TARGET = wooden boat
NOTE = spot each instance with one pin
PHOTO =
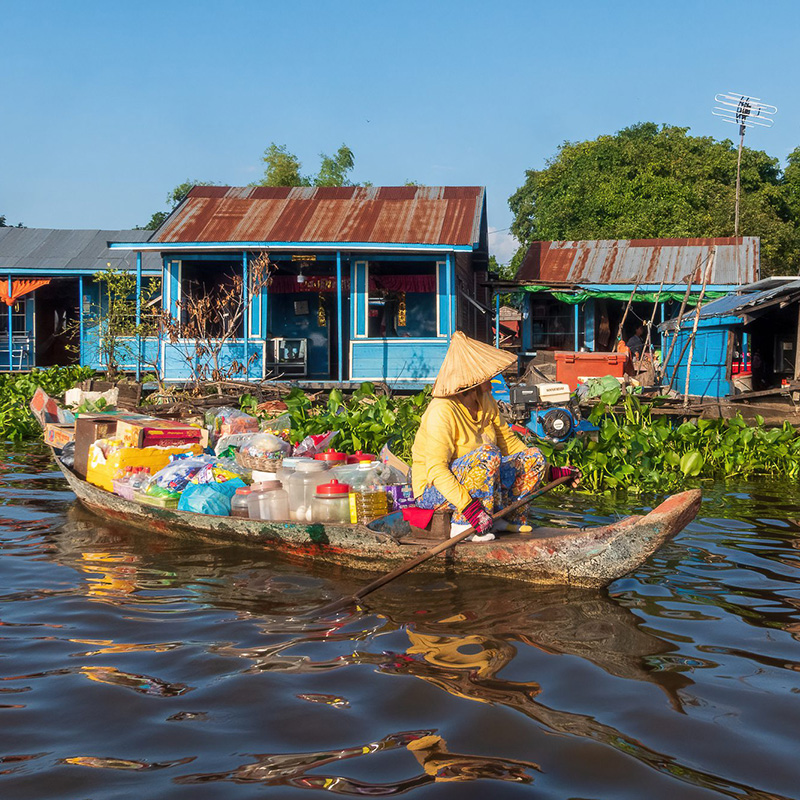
(559, 556)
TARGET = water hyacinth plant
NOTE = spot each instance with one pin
(636, 452)
(16, 390)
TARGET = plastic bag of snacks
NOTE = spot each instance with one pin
(226, 421)
(219, 471)
(266, 445)
(177, 474)
(314, 444)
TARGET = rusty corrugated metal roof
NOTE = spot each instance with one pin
(622, 261)
(448, 215)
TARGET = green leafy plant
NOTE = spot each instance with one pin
(639, 453)
(16, 390)
(365, 421)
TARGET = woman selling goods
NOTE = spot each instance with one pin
(465, 457)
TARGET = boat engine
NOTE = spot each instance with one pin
(545, 409)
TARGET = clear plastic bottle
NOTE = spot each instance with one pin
(254, 501)
(240, 503)
(302, 485)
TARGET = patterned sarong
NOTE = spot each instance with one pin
(495, 480)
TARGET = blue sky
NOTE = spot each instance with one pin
(107, 106)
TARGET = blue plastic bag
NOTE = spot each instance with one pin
(210, 498)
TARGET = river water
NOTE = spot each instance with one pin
(138, 666)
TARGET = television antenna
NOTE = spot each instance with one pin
(746, 112)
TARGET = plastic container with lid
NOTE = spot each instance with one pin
(258, 500)
(287, 467)
(302, 485)
(240, 503)
(357, 475)
(358, 457)
(331, 502)
(368, 503)
(332, 458)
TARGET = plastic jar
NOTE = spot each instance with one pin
(368, 503)
(331, 502)
(358, 457)
(240, 503)
(278, 503)
(302, 485)
(259, 499)
(332, 458)
(287, 468)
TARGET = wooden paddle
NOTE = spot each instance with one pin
(434, 551)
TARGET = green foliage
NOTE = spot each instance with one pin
(648, 181)
(16, 390)
(365, 421)
(639, 453)
(283, 168)
(334, 170)
(115, 316)
(4, 223)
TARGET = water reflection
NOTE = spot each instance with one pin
(683, 681)
(429, 750)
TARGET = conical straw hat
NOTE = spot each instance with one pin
(469, 363)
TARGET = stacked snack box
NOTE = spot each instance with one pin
(140, 442)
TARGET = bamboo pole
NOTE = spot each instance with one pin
(627, 309)
(686, 295)
(706, 277)
(645, 349)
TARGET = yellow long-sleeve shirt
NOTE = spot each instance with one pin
(448, 431)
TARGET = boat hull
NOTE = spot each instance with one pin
(580, 557)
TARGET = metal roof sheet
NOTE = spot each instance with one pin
(448, 215)
(612, 261)
(737, 305)
(47, 248)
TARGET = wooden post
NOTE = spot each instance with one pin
(627, 309)
(706, 277)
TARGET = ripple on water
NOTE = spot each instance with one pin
(139, 665)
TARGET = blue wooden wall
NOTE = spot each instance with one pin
(399, 361)
(709, 360)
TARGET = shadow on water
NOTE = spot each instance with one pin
(208, 654)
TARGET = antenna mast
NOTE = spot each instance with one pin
(746, 112)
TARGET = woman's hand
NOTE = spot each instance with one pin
(564, 472)
(478, 517)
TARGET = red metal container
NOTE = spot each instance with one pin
(571, 366)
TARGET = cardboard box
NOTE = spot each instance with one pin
(88, 429)
(58, 434)
(159, 433)
(102, 471)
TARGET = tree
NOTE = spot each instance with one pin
(282, 168)
(174, 199)
(113, 318)
(4, 224)
(650, 181)
(334, 170)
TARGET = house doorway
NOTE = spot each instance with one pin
(55, 330)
